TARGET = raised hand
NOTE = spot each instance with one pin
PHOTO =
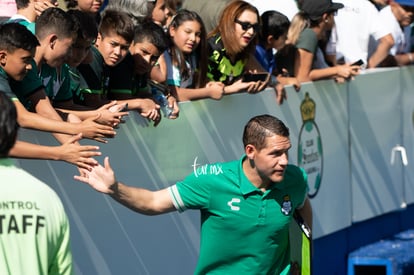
(101, 178)
(90, 128)
(79, 155)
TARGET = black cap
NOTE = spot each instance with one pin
(314, 9)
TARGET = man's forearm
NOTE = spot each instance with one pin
(142, 200)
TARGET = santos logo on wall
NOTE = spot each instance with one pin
(310, 156)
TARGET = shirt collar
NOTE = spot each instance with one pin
(246, 187)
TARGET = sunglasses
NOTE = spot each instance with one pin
(247, 25)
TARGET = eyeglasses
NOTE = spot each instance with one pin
(247, 25)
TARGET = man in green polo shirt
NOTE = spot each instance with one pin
(246, 205)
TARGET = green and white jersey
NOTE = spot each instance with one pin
(34, 228)
(95, 75)
(243, 230)
(31, 83)
(220, 66)
(57, 86)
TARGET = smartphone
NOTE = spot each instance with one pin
(248, 77)
(358, 63)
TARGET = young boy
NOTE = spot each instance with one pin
(130, 78)
(150, 41)
(17, 48)
(272, 38)
(115, 35)
(62, 83)
(56, 32)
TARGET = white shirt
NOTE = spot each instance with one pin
(287, 7)
(355, 23)
(19, 16)
(397, 33)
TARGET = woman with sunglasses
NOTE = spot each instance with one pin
(231, 47)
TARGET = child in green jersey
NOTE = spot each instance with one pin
(17, 48)
(115, 34)
(56, 33)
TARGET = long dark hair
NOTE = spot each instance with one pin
(178, 58)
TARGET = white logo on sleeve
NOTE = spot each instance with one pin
(232, 206)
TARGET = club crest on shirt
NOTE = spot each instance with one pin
(286, 205)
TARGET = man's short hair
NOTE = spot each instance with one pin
(115, 22)
(55, 21)
(8, 124)
(260, 127)
(15, 36)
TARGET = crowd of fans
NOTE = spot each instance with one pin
(95, 60)
(84, 64)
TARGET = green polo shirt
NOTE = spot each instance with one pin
(243, 230)
(5, 86)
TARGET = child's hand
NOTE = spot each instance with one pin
(216, 90)
(40, 6)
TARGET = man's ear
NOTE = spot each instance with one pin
(52, 40)
(3, 57)
(250, 151)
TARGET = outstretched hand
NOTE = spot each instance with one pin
(101, 178)
(80, 155)
(112, 113)
(92, 129)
